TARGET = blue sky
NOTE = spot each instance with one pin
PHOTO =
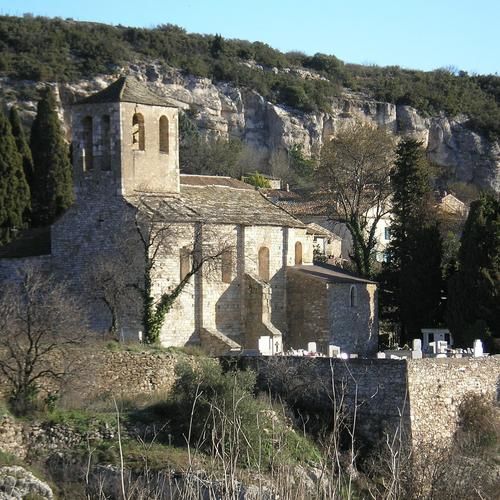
(422, 34)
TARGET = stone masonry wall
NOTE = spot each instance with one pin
(438, 386)
(321, 312)
(274, 238)
(180, 325)
(11, 269)
(422, 396)
(354, 328)
(150, 170)
(106, 157)
(307, 306)
(96, 233)
(376, 388)
(258, 300)
(96, 372)
(221, 300)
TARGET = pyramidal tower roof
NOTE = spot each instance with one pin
(126, 89)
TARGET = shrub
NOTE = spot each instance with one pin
(217, 413)
(258, 180)
(479, 424)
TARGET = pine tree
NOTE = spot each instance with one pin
(52, 179)
(14, 189)
(22, 144)
(413, 272)
(473, 305)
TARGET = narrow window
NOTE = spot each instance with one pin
(447, 337)
(298, 253)
(164, 134)
(387, 233)
(353, 297)
(264, 263)
(88, 143)
(138, 134)
(105, 142)
(185, 262)
(227, 266)
(431, 337)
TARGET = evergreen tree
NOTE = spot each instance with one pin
(413, 271)
(22, 144)
(14, 190)
(52, 185)
(474, 289)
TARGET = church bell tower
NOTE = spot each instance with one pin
(125, 141)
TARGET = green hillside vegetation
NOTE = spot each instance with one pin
(38, 48)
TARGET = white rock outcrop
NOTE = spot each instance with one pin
(225, 110)
(17, 483)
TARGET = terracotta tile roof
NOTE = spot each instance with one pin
(303, 207)
(126, 89)
(281, 195)
(329, 273)
(316, 229)
(300, 205)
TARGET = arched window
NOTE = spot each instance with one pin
(138, 133)
(353, 296)
(164, 134)
(105, 142)
(227, 266)
(264, 263)
(298, 253)
(88, 143)
(185, 262)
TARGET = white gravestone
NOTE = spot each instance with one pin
(333, 351)
(416, 352)
(478, 348)
(265, 347)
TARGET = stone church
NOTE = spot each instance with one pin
(258, 288)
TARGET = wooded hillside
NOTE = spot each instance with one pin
(38, 48)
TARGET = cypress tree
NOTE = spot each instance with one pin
(14, 189)
(473, 305)
(52, 179)
(413, 272)
(22, 144)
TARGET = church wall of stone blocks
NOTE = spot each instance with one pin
(126, 174)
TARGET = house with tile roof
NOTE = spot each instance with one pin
(137, 218)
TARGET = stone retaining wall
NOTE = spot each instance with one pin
(320, 388)
(101, 373)
(423, 396)
(436, 388)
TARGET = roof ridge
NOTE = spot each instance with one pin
(127, 88)
(124, 83)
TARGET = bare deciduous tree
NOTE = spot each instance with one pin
(39, 321)
(116, 278)
(354, 170)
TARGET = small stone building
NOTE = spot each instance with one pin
(128, 185)
(340, 309)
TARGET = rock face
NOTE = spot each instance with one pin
(225, 110)
(16, 483)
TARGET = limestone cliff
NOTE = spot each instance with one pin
(225, 110)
